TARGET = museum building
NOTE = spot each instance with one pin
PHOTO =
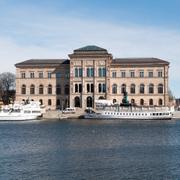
(91, 73)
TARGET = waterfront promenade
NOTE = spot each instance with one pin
(79, 112)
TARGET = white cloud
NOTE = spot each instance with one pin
(56, 37)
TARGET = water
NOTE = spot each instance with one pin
(83, 149)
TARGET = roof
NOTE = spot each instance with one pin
(139, 61)
(90, 48)
(43, 62)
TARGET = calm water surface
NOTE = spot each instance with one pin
(83, 149)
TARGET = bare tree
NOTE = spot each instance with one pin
(7, 87)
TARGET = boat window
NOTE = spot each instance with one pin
(27, 111)
(36, 111)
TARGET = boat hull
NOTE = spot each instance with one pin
(130, 115)
(17, 118)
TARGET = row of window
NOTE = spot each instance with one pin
(41, 75)
(61, 104)
(102, 73)
(151, 102)
(132, 74)
(141, 88)
(90, 72)
(90, 88)
(102, 88)
(41, 89)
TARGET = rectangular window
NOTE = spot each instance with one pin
(23, 75)
(160, 74)
(141, 74)
(92, 72)
(40, 74)
(88, 72)
(114, 74)
(123, 74)
(150, 74)
(49, 75)
(78, 72)
(132, 74)
(31, 75)
(102, 72)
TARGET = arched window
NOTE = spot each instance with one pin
(160, 102)
(41, 101)
(160, 88)
(123, 88)
(32, 89)
(49, 89)
(114, 100)
(141, 102)
(92, 87)
(101, 97)
(88, 87)
(114, 88)
(58, 102)
(141, 90)
(104, 88)
(151, 102)
(132, 90)
(89, 101)
(41, 89)
(23, 89)
(80, 88)
(99, 88)
(132, 101)
(66, 90)
(49, 102)
(151, 88)
(58, 89)
(76, 88)
(76, 101)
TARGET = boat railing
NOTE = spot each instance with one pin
(133, 108)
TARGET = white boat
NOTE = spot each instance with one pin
(127, 111)
(131, 114)
(21, 111)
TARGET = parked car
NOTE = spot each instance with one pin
(69, 110)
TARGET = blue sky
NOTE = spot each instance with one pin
(127, 28)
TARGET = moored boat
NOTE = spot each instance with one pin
(130, 114)
(127, 111)
(21, 111)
